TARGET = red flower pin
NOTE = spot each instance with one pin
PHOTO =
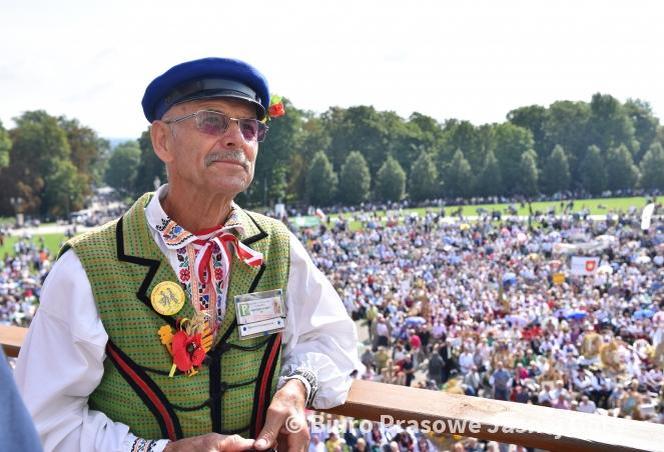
(188, 352)
(276, 110)
(276, 107)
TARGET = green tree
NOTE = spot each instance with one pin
(321, 181)
(403, 140)
(123, 167)
(38, 140)
(354, 180)
(374, 134)
(5, 146)
(620, 168)
(458, 176)
(63, 189)
(278, 184)
(430, 131)
(88, 151)
(358, 128)
(464, 136)
(150, 168)
(645, 125)
(528, 174)
(315, 137)
(567, 124)
(593, 172)
(39, 144)
(532, 118)
(490, 181)
(511, 142)
(274, 154)
(423, 178)
(555, 174)
(390, 181)
(609, 125)
(652, 168)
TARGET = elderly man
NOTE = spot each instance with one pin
(189, 323)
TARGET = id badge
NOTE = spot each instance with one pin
(260, 313)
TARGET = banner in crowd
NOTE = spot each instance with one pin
(583, 266)
(646, 216)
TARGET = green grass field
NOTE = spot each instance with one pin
(52, 242)
(597, 206)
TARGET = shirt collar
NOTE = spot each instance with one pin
(174, 236)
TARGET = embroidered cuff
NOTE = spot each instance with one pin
(144, 445)
(308, 378)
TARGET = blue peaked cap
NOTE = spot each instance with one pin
(204, 79)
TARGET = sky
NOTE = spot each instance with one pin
(472, 60)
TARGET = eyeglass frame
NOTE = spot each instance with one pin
(237, 121)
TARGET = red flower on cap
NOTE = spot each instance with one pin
(276, 110)
(188, 351)
(276, 107)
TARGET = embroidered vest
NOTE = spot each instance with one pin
(233, 388)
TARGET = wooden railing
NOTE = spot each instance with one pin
(508, 422)
(11, 338)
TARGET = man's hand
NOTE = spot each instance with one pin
(211, 442)
(286, 420)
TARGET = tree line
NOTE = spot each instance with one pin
(48, 165)
(357, 154)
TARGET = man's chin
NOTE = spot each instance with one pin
(230, 185)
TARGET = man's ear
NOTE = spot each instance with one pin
(162, 141)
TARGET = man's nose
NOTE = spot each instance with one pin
(233, 138)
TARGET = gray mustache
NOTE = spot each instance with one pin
(234, 156)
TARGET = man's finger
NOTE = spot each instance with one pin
(268, 435)
(235, 443)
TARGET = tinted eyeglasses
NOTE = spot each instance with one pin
(215, 123)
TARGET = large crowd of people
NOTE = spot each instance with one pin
(487, 308)
(490, 308)
(22, 272)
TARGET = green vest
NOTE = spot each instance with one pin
(234, 386)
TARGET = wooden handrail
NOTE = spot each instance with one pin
(440, 412)
(508, 422)
(11, 338)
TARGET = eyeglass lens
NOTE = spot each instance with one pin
(213, 123)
